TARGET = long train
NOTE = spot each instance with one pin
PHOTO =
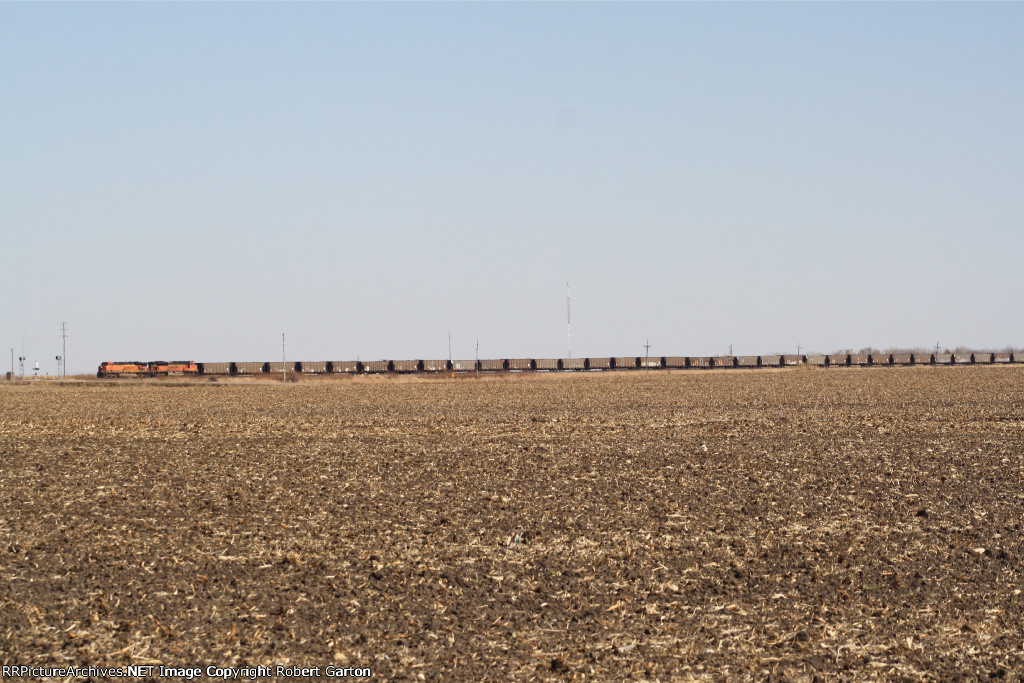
(156, 368)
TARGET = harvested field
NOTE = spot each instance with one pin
(845, 524)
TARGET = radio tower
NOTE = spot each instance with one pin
(568, 315)
(64, 350)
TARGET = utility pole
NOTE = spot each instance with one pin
(647, 352)
(284, 361)
(798, 347)
(568, 315)
(730, 349)
(64, 354)
(476, 365)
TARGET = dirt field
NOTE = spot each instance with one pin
(842, 524)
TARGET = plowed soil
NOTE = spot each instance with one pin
(840, 524)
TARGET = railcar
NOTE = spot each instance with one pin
(214, 368)
(248, 368)
(278, 367)
(374, 367)
(311, 367)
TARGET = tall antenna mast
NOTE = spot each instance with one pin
(64, 356)
(568, 315)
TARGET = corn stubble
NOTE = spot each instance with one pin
(840, 524)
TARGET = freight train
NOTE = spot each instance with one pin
(328, 367)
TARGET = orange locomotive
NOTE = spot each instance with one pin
(151, 369)
(174, 367)
(119, 368)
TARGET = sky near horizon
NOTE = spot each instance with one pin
(190, 180)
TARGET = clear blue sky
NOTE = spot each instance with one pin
(188, 180)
